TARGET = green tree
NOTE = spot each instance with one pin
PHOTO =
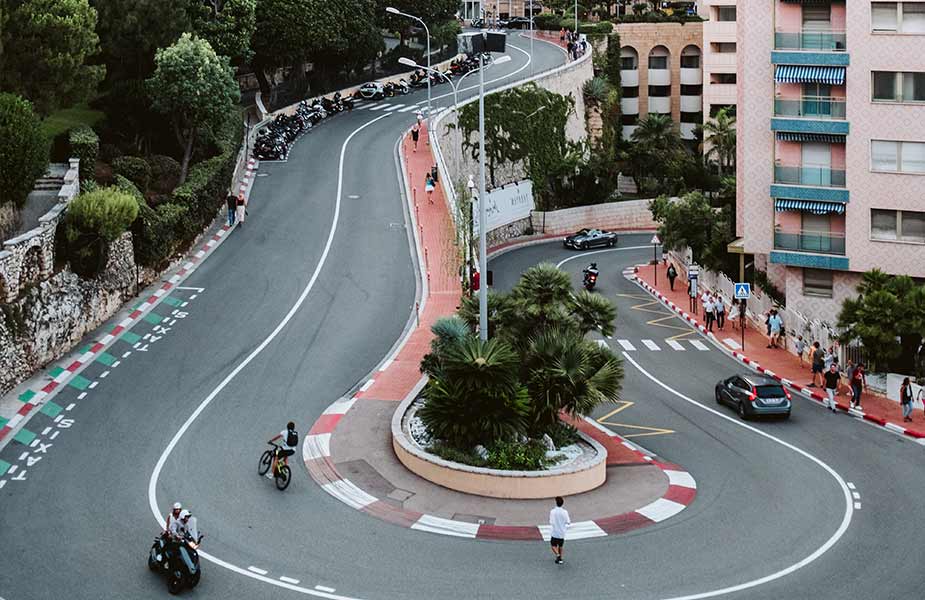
(614, 62)
(46, 44)
(92, 222)
(24, 151)
(229, 25)
(888, 317)
(692, 222)
(720, 133)
(656, 154)
(194, 88)
(432, 12)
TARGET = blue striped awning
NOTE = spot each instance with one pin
(819, 208)
(809, 74)
(794, 136)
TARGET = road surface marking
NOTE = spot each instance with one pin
(839, 532)
(651, 345)
(627, 345)
(675, 345)
(367, 385)
(378, 107)
(698, 344)
(324, 588)
(409, 108)
(732, 343)
(857, 506)
(850, 486)
(257, 570)
(370, 106)
(289, 580)
(395, 106)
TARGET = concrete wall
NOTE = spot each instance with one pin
(629, 215)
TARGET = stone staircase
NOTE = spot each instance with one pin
(53, 178)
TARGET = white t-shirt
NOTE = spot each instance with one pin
(559, 522)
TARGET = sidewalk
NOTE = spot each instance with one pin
(782, 363)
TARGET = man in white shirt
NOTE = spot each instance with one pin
(559, 522)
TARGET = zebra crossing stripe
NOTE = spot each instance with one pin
(651, 345)
(409, 108)
(698, 344)
(394, 106)
(675, 345)
(378, 107)
(627, 345)
(370, 106)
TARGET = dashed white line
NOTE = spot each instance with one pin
(81, 395)
(699, 345)
(289, 580)
(23, 456)
(93, 385)
(857, 495)
(409, 108)
(46, 430)
(675, 345)
(851, 486)
(116, 364)
(651, 345)
(104, 374)
(257, 570)
(627, 345)
(70, 406)
(324, 588)
(126, 355)
(857, 506)
(54, 434)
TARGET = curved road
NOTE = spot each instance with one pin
(79, 526)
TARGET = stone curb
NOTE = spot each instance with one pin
(802, 390)
(33, 398)
(316, 453)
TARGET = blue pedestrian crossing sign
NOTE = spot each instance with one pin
(743, 291)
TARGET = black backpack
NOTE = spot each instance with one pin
(292, 438)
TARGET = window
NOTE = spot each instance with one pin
(659, 91)
(690, 61)
(725, 13)
(898, 17)
(903, 157)
(722, 78)
(715, 108)
(691, 90)
(630, 92)
(691, 117)
(628, 63)
(724, 47)
(889, 86)
(817, 283)
(629, 119)
(817, 17)
(658, 62)
(899, 225)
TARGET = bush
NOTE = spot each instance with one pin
(156, 231)
(456, 455)
(596, 90)
(134, 169)
(547, 22)
(23, 152)
(204, 191)
(604, 28)
(517, 456)
(85, 145)
(93, 221)
(109, 152)
(124, 185)
(165, 173)
(563, 434)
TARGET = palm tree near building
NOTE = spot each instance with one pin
(720, 133)
(655, 151)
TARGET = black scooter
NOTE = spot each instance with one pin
(590, 278)
(178, 560)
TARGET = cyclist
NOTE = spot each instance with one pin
(289, 441)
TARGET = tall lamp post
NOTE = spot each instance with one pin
(576, 17)
(395, 11)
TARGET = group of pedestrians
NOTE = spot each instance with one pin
(714, 311)
(237, 208)
(574, 44)
(831, 377)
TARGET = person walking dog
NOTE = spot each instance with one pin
(559, 522)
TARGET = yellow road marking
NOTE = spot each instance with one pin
(682, 335)
(623, 405)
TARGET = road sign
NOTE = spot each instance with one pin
(743, 291)
(655, 240)
(693, 272)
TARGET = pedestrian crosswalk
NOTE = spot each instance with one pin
(681, 345)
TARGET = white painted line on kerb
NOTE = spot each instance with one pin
(367, 385)
(675, 345)
(257, 570)
(651, 345)
(732, 343)
(825, 547)
(159, 466)
(699, 345)
(627, 345)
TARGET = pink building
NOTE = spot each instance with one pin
(719, 56)
(831, 144)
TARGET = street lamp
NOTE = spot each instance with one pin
(395, 11)
(576, 17)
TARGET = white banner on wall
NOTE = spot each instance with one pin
(506, 204)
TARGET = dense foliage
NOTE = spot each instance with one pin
(85, 145)
(93, 221)
(692, 222)
(23, 151)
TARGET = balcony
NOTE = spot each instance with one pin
(690, 76)
(660, 104)
(691, 104)
(629, 106)
(827, 48)
(658, 77)
(816, 242)
(811, 176)
(629, 77)
(812, 107)
(809, 260)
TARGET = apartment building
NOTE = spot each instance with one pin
(719, 56)
(831, 144)
(661, 73)
(505, 9)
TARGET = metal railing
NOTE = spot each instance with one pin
(810, 241)
(819, 41)
(816, 107)
(815, 176)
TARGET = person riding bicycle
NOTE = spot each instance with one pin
(289, 440)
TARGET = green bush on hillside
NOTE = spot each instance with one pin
(23, 151)
(165, 173)
(85, 145)
(134, 169)
(93, 221)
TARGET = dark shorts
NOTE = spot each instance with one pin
(556, 542)
(283, 452)
(817, 368)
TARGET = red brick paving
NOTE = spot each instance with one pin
(877, 408)
(617, 453)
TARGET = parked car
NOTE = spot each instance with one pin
(372, 90)
(477, 23)
(519, 23)
(590, 238)
(753, 395)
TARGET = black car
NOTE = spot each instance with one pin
(753, 395)
(590, 238)
(477, 23)
(519, 23)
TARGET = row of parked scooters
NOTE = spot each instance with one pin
(275, 140)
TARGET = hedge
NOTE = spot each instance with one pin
(134, 169)
(548, 22)
(85, 145)
(93, 221)
(154, 233)
(23, 150)
(204, 191)
(165, 173)
(659, 17)
(604, 27)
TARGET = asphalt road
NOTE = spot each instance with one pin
(79, 525)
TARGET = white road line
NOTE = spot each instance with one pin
(257, 570)
(661, 509)
(409, 108)
(370, 106)
(627, 345)
(70, 406)
(676, 346)
(395, 106)
(651, 345)
(378, 107)
(839, 533)
(162, 460)
(324, 588)
(369, 383)
(289, 580)
(699, 345)
(732, 343)
(46, 430)
(857, 506)
(54, 434)
(850, 486)
(856, 495)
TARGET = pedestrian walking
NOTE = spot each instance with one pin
(231, 202)
(562, 34)
(831, 385)
(800, 348)
(720, 308)
(828, 358)
(858, 383)
(709, 312)
(559, 522)
(429, 188)
(767, 323)
(847, 374)
(703, 301)
(415, 134)
(817, 363)
(905, 399)
(733, 315)
(776, 325)
(672, 275)
(240, 209)
(420, 118)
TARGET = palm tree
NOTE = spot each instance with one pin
(448, 332)
(657, 132)
(593, 312)
(721, 135)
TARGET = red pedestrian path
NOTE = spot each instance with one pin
(784, 363)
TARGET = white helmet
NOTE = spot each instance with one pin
(184, 514)
(177, 506)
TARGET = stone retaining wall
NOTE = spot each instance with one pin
(622, 215)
